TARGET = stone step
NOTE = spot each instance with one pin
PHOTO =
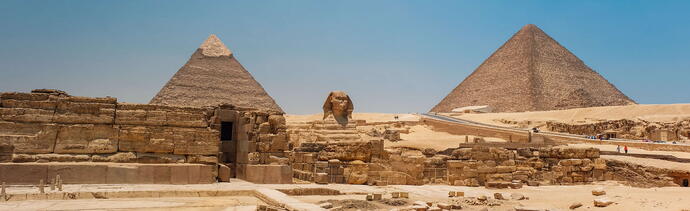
(325, 132)
(338, 137)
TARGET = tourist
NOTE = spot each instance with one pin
(618, 148)
(626, 149)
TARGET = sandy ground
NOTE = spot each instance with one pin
(422, 136)
(649, 112)
(369, 117)
(551, 197)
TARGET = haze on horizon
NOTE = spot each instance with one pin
(390, 56)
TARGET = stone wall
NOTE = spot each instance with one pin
(628, 129)
(494, 167)
(50, 127)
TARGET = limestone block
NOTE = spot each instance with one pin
(84, 113)
(179, 174)
(321, 178)
(159, 158)
(196, 141)
(86, 139)
(202, 159)
(161, 174)
(28, 137)
(23, 96)
(62, 158)
(598, 192)
(22, 174)
(455, 164)
(279, 143)
(224, 173)
(207, 174)
(486, 169)
(43, 104)
(146, 174)
(356, 173)
(130, 117)
(122, 174)
(277, 123)
(146, 139)
(26, 115)
(6, 152)
(102, 100)
(120, 157)
(82, 173)
(602, 202)
(268, 174)
(186, 119)
(348, 151)
(505, 169)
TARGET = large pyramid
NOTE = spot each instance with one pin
(532, 72)
(213, 76)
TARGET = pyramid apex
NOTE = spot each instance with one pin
(530, 27)
(213, 47)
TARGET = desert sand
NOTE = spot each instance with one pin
(544, 197)
(422, 136)
(647, 112)
(369, 117)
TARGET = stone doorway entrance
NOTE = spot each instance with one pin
(228, 147)
(227, 141)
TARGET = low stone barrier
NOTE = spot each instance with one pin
(107, 173)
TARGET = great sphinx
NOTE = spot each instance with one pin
(339, 105)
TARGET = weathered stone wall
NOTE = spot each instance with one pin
(49, 127)
(261, 146)
(628, 129)
(494, 167)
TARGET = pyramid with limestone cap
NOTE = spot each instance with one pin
(213, 76)
(533, 72)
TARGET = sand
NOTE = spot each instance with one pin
(421, 137)
(648, 112)
(544, 197)
(369, 117)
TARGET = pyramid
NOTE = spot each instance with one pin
(533, 72)
(213, 76)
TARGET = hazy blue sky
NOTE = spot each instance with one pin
(390, 56)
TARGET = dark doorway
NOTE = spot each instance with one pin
(685, 182)
(226, 131)
(227, 142)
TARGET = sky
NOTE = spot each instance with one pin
(389, 56)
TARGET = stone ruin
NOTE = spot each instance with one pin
(628, 129)
(327, 152)
(100, 140)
